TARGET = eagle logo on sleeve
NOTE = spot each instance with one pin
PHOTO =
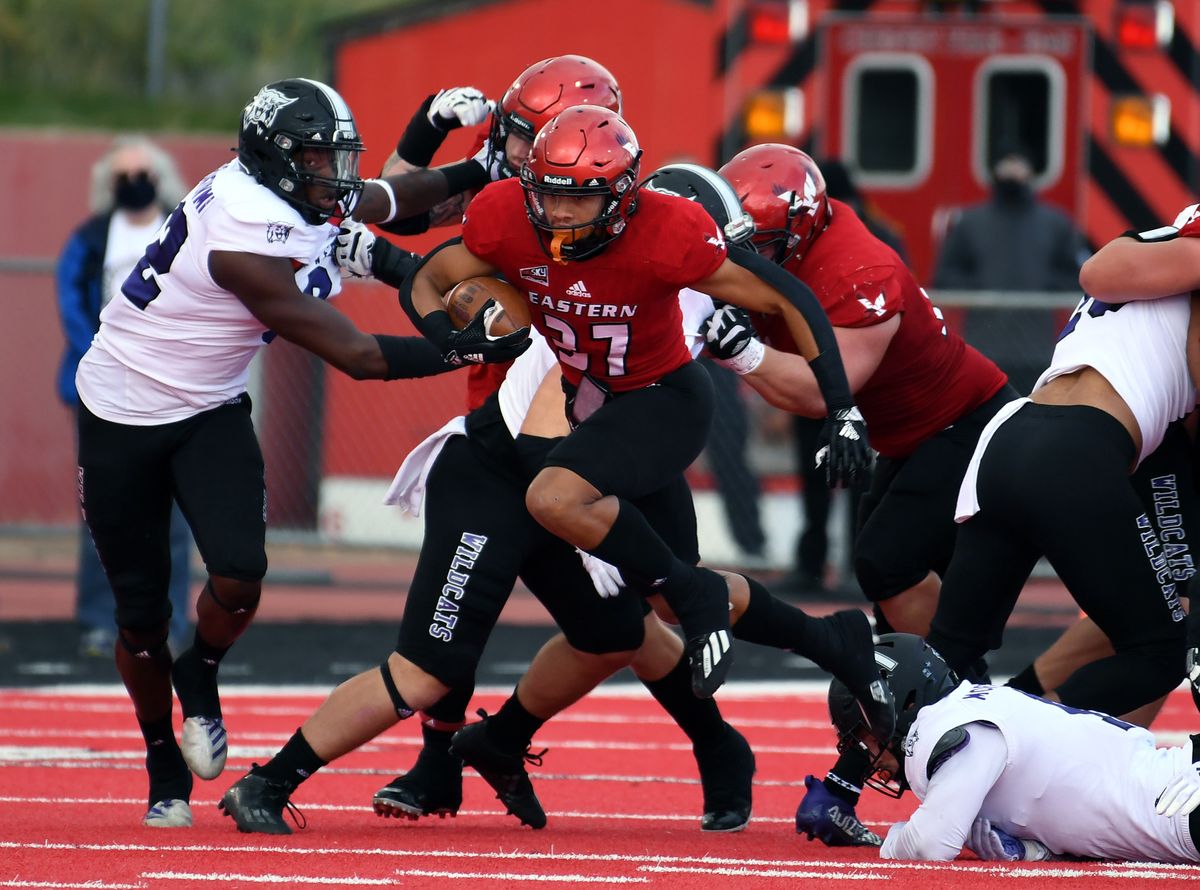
(878, 306)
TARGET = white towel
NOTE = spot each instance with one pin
(408, 488)
(968, 496)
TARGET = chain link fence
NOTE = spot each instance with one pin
(332, 444)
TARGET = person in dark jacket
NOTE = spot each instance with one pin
(134, 185)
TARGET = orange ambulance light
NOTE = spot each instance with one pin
(1145, 25)
(1140, 121)
(774, 115)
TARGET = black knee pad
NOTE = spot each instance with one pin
(880, 581)
(249, 566)
(236, 596)
(146, 642)
(605, 638)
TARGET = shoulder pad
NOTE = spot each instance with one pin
(951, 742)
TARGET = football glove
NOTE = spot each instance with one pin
(842, 447)
(732, 341)
(1182, 794)
(994, 844)
(473, 346)
(353, 248)
(605, 577)
(458, 107)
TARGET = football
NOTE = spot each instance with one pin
(466, 298)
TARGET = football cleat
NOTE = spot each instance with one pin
(503, 771)
(831, 820)
(432, 787)
(256, 804)
(204, 745)
(851, 658)
(710, 657)
(726, 774)
(204, 741)
(170, 813)
(1193, 674)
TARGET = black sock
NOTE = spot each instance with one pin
(634, 547)
(158, 733)
(1027, 681)
(512, 727)
(846, 779)
(293, 764)
(436, 740)
(699, 718)
(771, 622)
(209, 655)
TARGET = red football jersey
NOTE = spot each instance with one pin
(929, 377)
(614, 315)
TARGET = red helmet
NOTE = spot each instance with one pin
(783, 190)
(584, 151)
(548, 87)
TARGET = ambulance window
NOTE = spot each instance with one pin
(1019, 104)
(887, 101)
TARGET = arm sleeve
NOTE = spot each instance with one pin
(72, 295)
(941, 824)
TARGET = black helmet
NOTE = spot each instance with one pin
(288, 116)
(711, 191)
(917, 676)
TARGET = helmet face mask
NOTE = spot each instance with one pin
(586, 151)
(298, 138)
(544, 90)
(783, 190)
(918, 677)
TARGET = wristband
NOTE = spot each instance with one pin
(391, 196)
(464, 175)
(408, 357)
(747, 360)
(421, 139)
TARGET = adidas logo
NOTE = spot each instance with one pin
(714, 650)
(579, 289)
(849, 432)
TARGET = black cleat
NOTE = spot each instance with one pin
(503, 771)
(432, 787)
(702, 609)
(831, 820)
(726, 775)
(851, 659)
(710, 658)
(256, 804)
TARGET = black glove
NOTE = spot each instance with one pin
(843, 448)
(472, 345)
(728, 331)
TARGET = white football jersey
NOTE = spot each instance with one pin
(1081, 782)
(1139, 347)
(174, 342)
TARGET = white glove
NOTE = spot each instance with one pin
(1182, 794)
(458, 107)
(995, 844)
(353, 248)
(606, 578)
(493, 160)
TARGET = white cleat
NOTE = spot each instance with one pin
(204, 746)
(172, 813)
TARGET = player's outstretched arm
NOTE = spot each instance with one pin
(747, 280)
(1143, 266)
(421, 296)
(267, 287)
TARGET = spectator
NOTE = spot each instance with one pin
(1012, 242)
(134, 185)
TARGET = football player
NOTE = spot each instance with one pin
(602, 265)
(441, 640)
(539, 93)
(987, 764)
(924, 393)
(246, 256)
(1051, 476)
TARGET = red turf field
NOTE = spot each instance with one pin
(619, 786)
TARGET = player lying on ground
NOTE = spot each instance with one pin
(1014, 777)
